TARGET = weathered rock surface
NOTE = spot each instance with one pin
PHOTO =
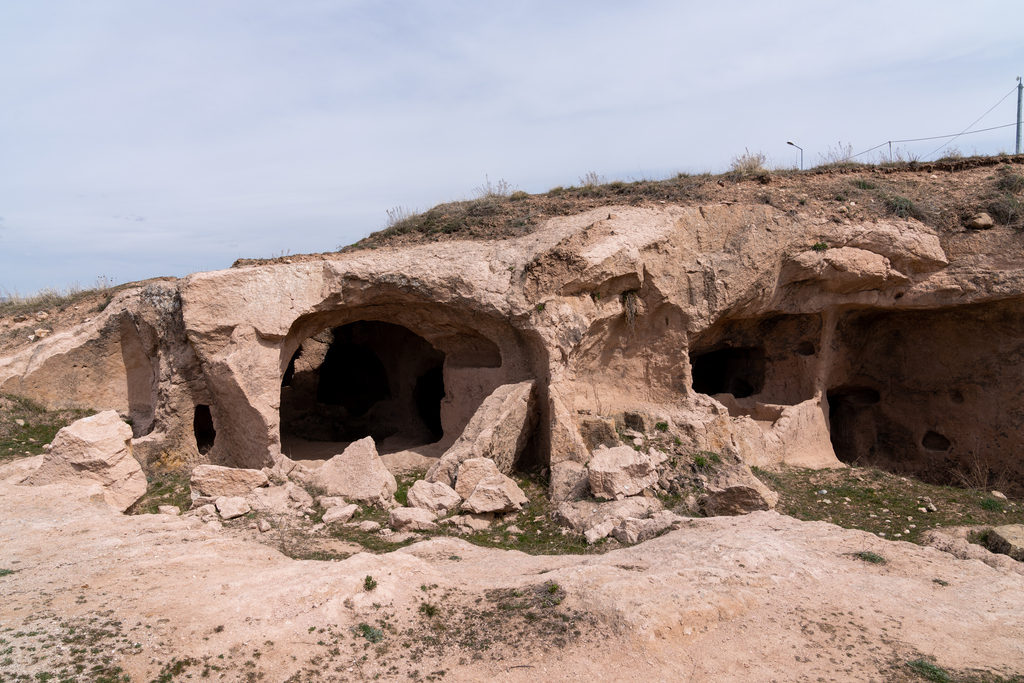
(285, 499)
(94, 449)
(498, 431)
(569, 481)
(172, 510)
(412, 519)
(215, 481)
(436, 496)
(495, 494)
(616, 473)
(1008, 540)
(734, 490)
(357, 474)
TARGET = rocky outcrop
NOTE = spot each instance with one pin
(765, 335)
(495, 494)
(435, 496)
(94, 449)
(1008, 540)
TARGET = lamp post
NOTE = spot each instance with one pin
(801, 153)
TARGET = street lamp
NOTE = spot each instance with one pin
(801, 153)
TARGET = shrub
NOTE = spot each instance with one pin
(819, 247)
(868, 556)
(901, 206)
(749, 163)
(992, 505)
(661, 426)
(369, 583)
(932, 672)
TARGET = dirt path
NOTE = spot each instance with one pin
(758, 598)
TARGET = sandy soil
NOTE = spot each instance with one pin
(758, 598)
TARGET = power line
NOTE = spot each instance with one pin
(966, 131)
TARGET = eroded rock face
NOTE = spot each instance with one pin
(215, 481)
(734, 490)
(94, 449)
(769, 336)
(620, 472)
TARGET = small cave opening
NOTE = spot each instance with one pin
(852, 422)
(366, 378)
(934, 441)
(805, 348)
(736, 371)
(202, 427)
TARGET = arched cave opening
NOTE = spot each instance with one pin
(366, 378)
(852, 422)
(736, 371)
(202, 427)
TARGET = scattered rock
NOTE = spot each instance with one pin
(412, 519)
(471, 522)
(960, 548)
(734, 490)
(263, 525)
(569, 480)
(357, 474)
(582, 515)
(998, 494)
(340, 513)
(616, 473)
(94, 449)
(328, 502)
(369, 526)
(981, 221)
(279, 500)
(42, 315)
(42, 333)
(214, 525)
(216, 481)
(602, 530)
(1008, 540)
(632, 531)
(471, 472)
(495, 494)
(436, 496)
(172, 510)
(230, 507)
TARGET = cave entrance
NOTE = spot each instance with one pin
(852, 428)
(202, 427)
(366, 378)
(736, 371)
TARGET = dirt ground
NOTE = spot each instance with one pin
(92, 595)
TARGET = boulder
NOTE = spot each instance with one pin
(172, 510)
(230, 507)
(216, 481)
(412, 519)
(1008, 540)
(568, 481)
(583, 515)
(981, 221)
(734, 490)
(357, 474)
(436, 496)
(602, 530)
(340, 514)
(94, 449)
(279, 500)
(498, 430)
(631, 530)
(471, 472)
(616, 473)
(495, 494)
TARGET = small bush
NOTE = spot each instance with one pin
(592, 179)
(519, 195)
(498, 190)
(428, 610)
(820, 247)
(1011, 182)
(868, 556)
(540, 307)
(930, 671)
(863, 185)
(901, 206)
(369, 583)
(700, 461)
(749, 163)
(374, 635)
(992, 505)
(661, 426)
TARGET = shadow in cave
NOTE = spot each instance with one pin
(367, 378)
(736, 371)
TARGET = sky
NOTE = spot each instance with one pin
(142, 138)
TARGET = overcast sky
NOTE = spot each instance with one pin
(142, 138)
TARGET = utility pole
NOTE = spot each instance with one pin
(1020, 90)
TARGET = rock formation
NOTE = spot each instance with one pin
(771, 336)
